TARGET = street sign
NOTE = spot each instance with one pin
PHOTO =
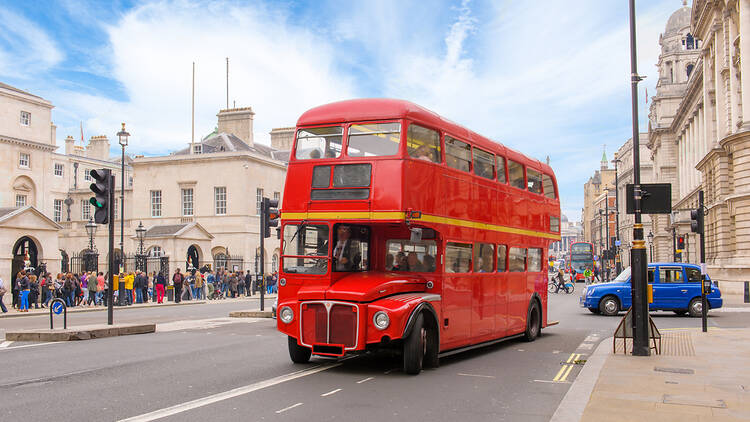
(57, 308)
(656, 198)
(618, 243)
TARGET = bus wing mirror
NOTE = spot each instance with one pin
(416, 235)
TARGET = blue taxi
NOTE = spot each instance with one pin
(676, 288)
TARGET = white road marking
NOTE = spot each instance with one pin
(521, 350)
(290, 407)
(554, 382)
(193, 404)
(592, 338)
(475, 375)
(586, 346)
(5, 344)
(731, 310)
(29, 345)
(201, 324)
(389, 371)
(365, 380)
(330, 393)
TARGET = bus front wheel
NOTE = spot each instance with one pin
(415, 345)
(298, 354)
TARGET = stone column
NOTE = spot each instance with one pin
(744, 12)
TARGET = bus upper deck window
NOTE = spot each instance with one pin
(423, 143)
(534, 180)
(319, 142)
(374, 139)
(549, 187)
(484, 164)
(515, 174)
(501, 170)
(457, 154)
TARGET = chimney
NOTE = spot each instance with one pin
(98, 148)
(52, 134)
(69, 144)
(282, 138)
(238, 122)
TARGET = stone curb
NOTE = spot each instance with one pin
(80, 333)
(82, 310)
(574, 403)
(251, 314)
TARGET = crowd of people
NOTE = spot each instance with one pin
(90, 289)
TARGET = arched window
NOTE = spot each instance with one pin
(155, 251)
(220, 260)
(690, 69)
(274, 263)
(690, 42)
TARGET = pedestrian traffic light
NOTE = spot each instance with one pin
(271, 215)
(101, 188)
(696, 220)
(680, 244)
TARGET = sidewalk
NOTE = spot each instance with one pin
(12, 313)
(698, 377)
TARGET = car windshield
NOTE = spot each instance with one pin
(622, 277)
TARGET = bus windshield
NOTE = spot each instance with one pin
(305, 249)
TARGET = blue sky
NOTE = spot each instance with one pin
(550, 78)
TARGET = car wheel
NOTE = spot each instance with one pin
(695, 309)
(609, 306)
(680, 312)
(415, 345)
(533, 323)
(594, 310)
(298, 354)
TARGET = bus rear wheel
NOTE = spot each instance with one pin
(298, 354)
(533, 322)
(415, 347)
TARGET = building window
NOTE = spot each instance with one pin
(275, 263)
(198, 149)
(25, 118)
(85, 210)
(258, 200)
(24, 160)
(155, 203)
(187, 202)
(20, 200)
(57, 210)
(59, 169)
(156, 251)
(220, 199)
(87, 175)
(277, 195)
(130, 181)
(117, 208)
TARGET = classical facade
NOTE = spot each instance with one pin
(570, 232)
(593, 194)
(199, 206)
(699, 126)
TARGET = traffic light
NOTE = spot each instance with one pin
(101, 188)
(680, 244)
(696, 220)
(271, 215)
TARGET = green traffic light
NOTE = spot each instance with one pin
(96, 203)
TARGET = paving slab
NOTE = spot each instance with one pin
(84, 332)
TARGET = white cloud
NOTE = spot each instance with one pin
(278, 69)
(25, 49)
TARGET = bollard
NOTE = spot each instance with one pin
(64, 310)
(747, 292)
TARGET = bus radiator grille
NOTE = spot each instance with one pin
(343, 325)
(314, 323)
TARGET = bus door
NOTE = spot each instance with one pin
(457, 294)
(517, 297)
(483, 292)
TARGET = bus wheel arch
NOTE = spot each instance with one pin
(423, 318)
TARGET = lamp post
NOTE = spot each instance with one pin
(91, 252)
(618, 261)
(123, 140)
(651, 244)
(140, 256)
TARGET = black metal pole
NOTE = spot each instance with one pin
(111, 247)
(618, 258)
(609, 246)
(704, 300)
(263, 207)
(638, 251)
(674, 242)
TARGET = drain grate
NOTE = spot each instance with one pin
(677, 344)
(674, 370)
(693, 401)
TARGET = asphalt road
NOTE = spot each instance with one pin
(201, 366)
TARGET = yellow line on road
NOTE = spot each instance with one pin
(570, 358)
(567, 372)
(559, 373)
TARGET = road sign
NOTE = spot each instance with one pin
(618, 243)
(57, 308)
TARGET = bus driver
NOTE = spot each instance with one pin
(345, 253)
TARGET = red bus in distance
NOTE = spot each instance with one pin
(403, 230)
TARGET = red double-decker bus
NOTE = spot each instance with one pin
(404, 230)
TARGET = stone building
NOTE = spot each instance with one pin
(198, 205)
(593, 192)
(699, 130)
(570, 232)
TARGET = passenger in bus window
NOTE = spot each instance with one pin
(389, 262)
(314, 154)
(413, 262)
(401, 264)
(344, 254)
(425, 153)
(429, 263)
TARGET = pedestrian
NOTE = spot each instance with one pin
(78, 291)
(3, 291)
(198, 285)
(248, 282)
(233, 282)
(138, 286)
(68, 290)
(85, 287)
(23, 292)
(149, 290)
(177, 280)
(160, 287)
(33, 292)
(91, 287)
(129, 280)
(99, 288)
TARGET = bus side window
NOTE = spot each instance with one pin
(483, 257)
(535, 260)
(502, 258)
(534, 180)
(457, 154)
(549, 187)
(423, 143)
(484, 164)
(517, 260)
(457, 257)
(515, 174)
(501, 170)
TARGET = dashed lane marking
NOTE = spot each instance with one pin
(290, 407)
(365, 380)
(5, 344)
(330, 393)
(476, 375)
(193, 404)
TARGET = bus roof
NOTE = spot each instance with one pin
(387, 108)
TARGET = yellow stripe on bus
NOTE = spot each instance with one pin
(397, 215)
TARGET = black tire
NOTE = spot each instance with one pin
(609, 305)
(551, 287)
(414, 347)
(431, 359)
(695, 307)
(533, 322)
(570, 288)
(298, 354)
(594, 310)
(680, 312)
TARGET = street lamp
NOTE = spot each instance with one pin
(123, 140)
(140, 256)
(91, 231)
(651, 243)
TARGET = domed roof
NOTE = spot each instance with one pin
(564, 218)
(679, 19)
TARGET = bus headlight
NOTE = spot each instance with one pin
(282, 282)
(286, 315)
(381, 320)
